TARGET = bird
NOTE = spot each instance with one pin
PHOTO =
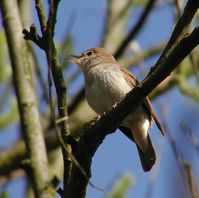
(107, 83)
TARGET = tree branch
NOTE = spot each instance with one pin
(41, 15)
(30, 119)
(47, 44)
(94, 135)
(7, 157)
(181, 28)
(18, 154)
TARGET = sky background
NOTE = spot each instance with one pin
(117, 155)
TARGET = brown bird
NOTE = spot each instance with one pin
(107, 83)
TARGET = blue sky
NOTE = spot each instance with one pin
(117, 155)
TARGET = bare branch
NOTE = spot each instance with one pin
(47, 44)
(41, 15)
(191, 183)
(94, 135)
(26, 97)
(180, 28)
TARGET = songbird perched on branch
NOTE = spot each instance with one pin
(107, 83)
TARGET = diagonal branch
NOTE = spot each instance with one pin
(110, 121)
(95, 134)
(181, 27)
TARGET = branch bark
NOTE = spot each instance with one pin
(94, 134)
(181, 28)
(29, 115)
(47, 44)
(108, 123)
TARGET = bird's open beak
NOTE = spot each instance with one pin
(77, 58)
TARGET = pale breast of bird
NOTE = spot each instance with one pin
(113, 87)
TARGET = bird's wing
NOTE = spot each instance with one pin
(130, 78)
(132, 81)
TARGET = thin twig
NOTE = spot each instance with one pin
(180, 29)
(191, 183)
(55, 68)
(41, 15)
(28, 109)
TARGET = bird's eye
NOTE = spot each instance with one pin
(90, 53)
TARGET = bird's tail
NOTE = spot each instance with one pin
(148, 157)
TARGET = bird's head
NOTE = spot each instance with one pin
(93, 57)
